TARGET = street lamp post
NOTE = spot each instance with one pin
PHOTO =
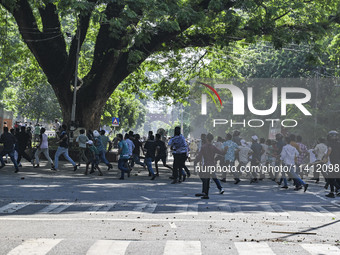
(74, 102)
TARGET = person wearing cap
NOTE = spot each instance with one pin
(333, 155)
(256, 157)
(98, 143)
(93, 158)
(63, 149)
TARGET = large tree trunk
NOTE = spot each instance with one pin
(113, 58)
(89, 108)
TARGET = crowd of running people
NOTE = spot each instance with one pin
(284, 159)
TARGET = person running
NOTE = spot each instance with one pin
(229, 148)
(105, 139)
(63, 149)
(207, 158)
(150, 148)
(333, 154)
(82, 139)
(123, 152)
(303, 155)
(136, 151)
(180, 149)
(161, 153)
(93, 158)
(98, 143)
(244, 153)
(9, 141)
(255, 162)
(129, 141)
(23, 141)
(319, 151)
(42, 147)
(264, 156)
(289, 156)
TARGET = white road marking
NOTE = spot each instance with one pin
(146, 198)
(226, 208)
(186, 209)
(145, 208)
(245, 248)
(39, 246)
(318, 210)
(13, 207)
(274, 210)
(318, 249)
(281, 212)
(55, 208)
(182, 248)
(108, 247)
(100, 208)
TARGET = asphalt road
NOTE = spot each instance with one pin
(66, 212)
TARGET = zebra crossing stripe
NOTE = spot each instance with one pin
(268, 209)
(245, 248)
(318, 210)
(281, 212)
(108, 247)
(225, 208)
(186, 209)
(39, 246)
(317, 249)
(55, 208)
(182, 248)
(13, 207)
(145, 208)
(101, 208)
(274, 210)
(323, 211)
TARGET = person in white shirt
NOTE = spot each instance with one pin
(244, 153)
(289, 156)
(82, 139)
(319, 151)
(42, 148)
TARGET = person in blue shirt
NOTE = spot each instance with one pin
(179, 151)
(123, 152)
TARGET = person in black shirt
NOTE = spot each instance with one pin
(256, 157)
(136, 151)
(150, 149)
(334, 157)
(203, 161)
(160, 153)
(9, 141)
(23, 142)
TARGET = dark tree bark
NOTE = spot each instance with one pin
(110, 64)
